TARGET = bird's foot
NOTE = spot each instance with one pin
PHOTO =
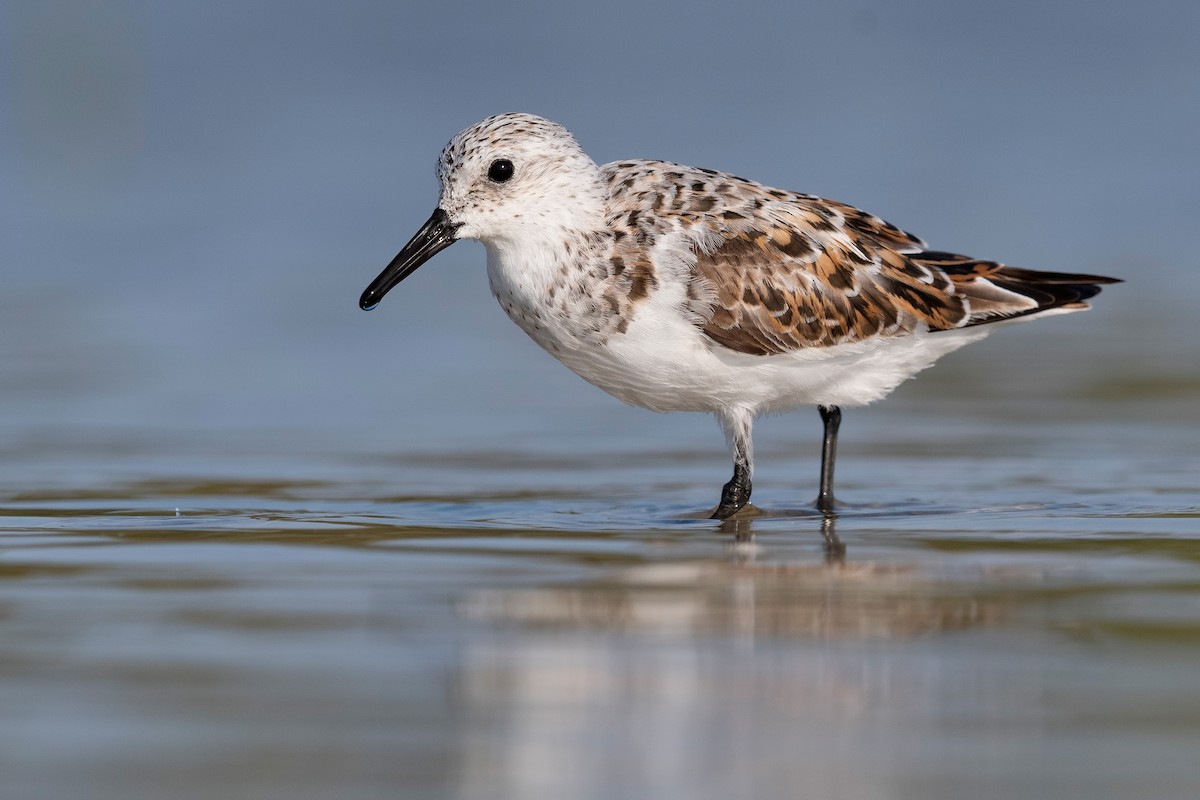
(734, 497)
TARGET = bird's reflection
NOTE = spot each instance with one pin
(681, 655)
(761, 589)
(741, 528)
(835, 550)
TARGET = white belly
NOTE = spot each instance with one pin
(670, 365)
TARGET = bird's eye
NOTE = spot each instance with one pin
(500, 170)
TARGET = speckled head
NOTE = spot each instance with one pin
(511, 174)
(508, 178)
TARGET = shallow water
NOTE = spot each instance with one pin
(1009, 606)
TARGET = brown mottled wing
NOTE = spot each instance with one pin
(806, 272)
(997, 292)
(777, 271)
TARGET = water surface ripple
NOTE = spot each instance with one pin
(989, 617)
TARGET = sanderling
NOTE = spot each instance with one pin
(684, 289)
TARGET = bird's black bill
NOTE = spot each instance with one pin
(435, 235)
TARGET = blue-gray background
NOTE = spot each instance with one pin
(193, 195)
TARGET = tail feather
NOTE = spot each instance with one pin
(997, 292)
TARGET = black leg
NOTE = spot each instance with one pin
(832, 417)
(736, 493)
(737, 424)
